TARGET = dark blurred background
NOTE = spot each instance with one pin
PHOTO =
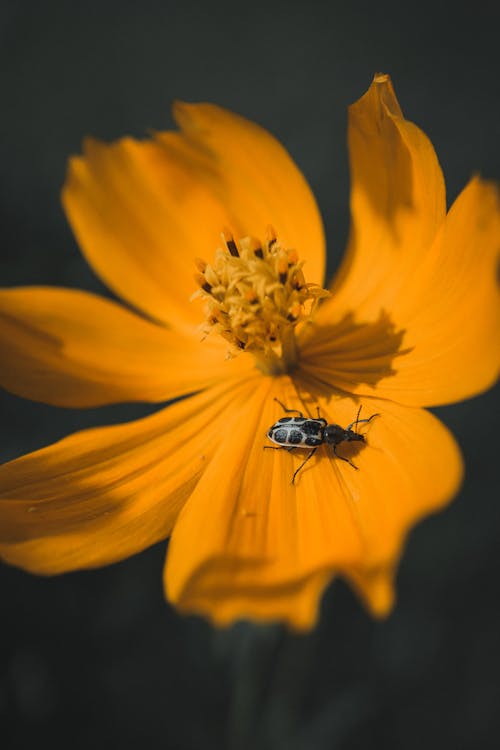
(97, 659)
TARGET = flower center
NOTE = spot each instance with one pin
(257, 299)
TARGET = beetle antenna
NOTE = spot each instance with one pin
(358, 421)
(357, 418)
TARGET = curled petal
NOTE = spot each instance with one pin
(397, 202)
(271, 546)
(450, 310)
(440, 342)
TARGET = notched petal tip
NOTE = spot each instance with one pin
(195, 116)
(488, 192)
(377, 590)
(380, 99)
(398, 202)
(381, 78)
(180, 111)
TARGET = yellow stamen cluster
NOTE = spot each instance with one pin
(256, 298)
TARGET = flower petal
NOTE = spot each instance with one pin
(253, 176)
(71, 348)
(441, 342)
(140, 220)
(101, 495)
(142, 211)
(397, 202)
(267, 548)
(451, 309)
(375, 587)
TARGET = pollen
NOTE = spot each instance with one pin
(256, 298)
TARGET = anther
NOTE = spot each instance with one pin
(256, 247)
(283, 267)
(251, 296)
(200, 264)
(255, 298)
(298, 279)
(271, 236)
(201, 281)
(230, 243)
(294, 313)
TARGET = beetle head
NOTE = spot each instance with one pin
(352, 436)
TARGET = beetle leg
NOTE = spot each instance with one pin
(288, 410)
(303, 464)
(343, 458)
(288, 448)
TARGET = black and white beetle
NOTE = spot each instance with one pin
(290, 433)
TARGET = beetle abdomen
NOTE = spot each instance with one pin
(297, 431)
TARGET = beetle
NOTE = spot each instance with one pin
(290, 433)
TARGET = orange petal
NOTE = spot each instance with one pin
(397, 202)
(376, 587)
(440, 340)
(142, 211)
(267, 548)
(103, 494)
(450, 310)
(71, 348)
(253, 176)
(141, 220)
(230, 591)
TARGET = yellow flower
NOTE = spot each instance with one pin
(412, 321)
